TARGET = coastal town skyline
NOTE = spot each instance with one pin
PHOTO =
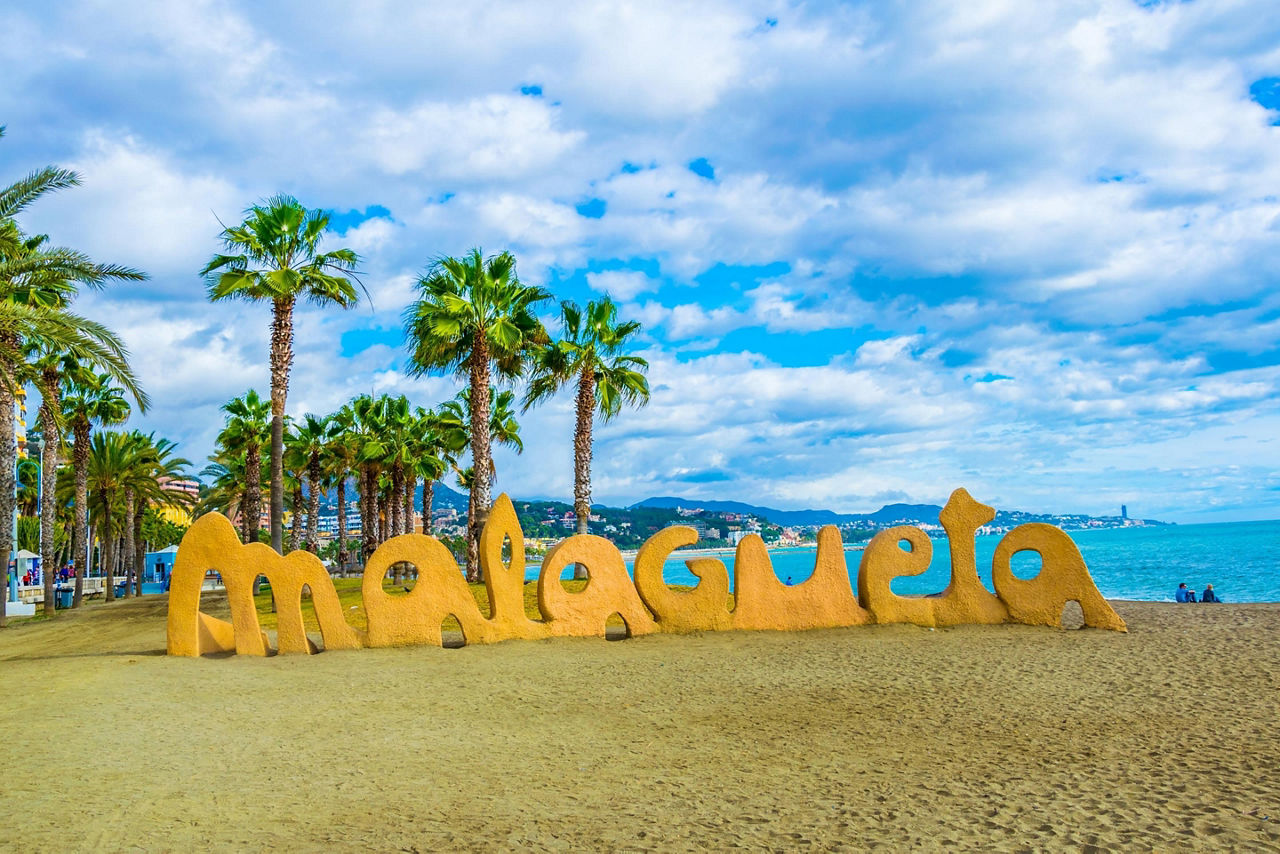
(877, 255)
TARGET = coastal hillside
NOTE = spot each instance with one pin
(886, 516)
(724, 523)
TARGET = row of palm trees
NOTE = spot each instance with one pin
(274, 256)
(81, 370)
(385, 446)
(475, 318)
(472, 318)
(126, 473)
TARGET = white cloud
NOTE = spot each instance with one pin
(622, 285)
(498, 136)
(655, 60)
(139, 207)
(689, 320)
(370, 236)
(1078, 198)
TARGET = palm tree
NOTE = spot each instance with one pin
(44, 362)
(90, 399)
(591, 354)
(276, 257)
(225, 489)
(473, 316)
(310, 439)
(28, 271)
(112, 458)
(129, 472)
(50, 364)
(399, 421)
(18, 195)
(293, 480)
(28, 493)
(429, 459)
(148, 483)
(62, 527)
(295, 464)
(369, 435)
(140, 465)
(20, 322)
(455, 422)
(402, 456)
(339, 458)
(244, 433)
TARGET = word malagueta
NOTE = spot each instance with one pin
(646, 604)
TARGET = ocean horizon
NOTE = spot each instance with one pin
(1240, 559)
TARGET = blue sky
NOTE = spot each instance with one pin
(880, 250)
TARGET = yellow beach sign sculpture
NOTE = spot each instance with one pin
(646, 605)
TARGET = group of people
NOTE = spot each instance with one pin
(1185, 594)
(32, 578)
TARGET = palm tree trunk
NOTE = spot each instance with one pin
(410, 486)
(428, 497)
(362, 481)
(381, 512)
(107, 561)
(395, 500)
(281, 362)
(80, 538)
(127, 550)
(252, 504)
(391, 503)
(64, 553)
(48, 484)
(403, 523)
(343, 555)
(362, 484)
(8, 479)
(473, 547)
(295, 530)
(481, 453)
(368, 512)
(139, 545)
(313, 505)
(586, 404)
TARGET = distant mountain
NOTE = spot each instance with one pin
(885, 515)
(890, 514)
(443, 496)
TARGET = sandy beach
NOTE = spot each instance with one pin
(890, 738)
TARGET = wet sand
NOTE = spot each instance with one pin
(894, 738)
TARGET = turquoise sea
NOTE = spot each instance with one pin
(1240, 559)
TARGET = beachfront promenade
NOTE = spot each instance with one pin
(34, 593)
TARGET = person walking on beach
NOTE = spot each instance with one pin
(1208, 595)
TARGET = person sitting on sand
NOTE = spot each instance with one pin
(1208, 595)
(1183, 594)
